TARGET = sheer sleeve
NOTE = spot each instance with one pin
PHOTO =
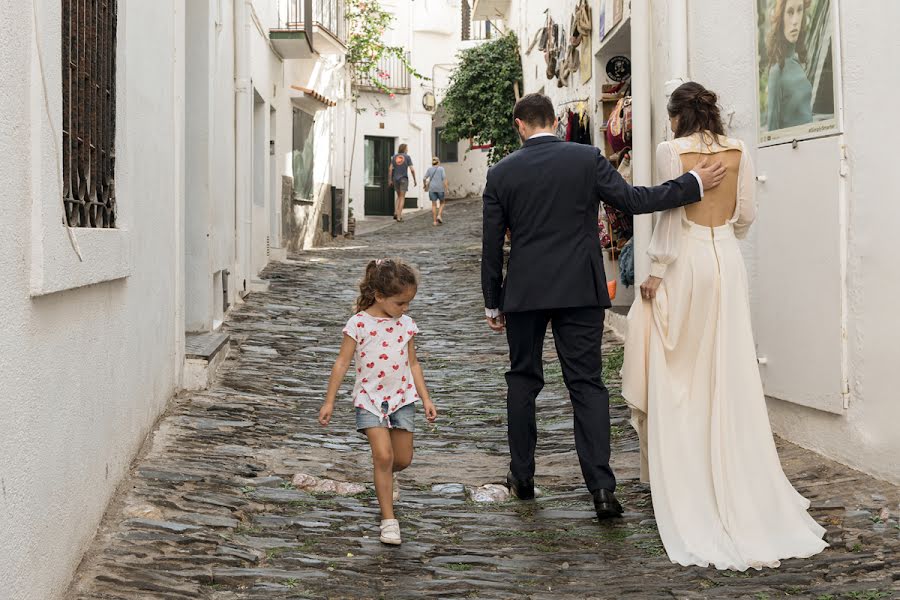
(745, 211)
(666, 241)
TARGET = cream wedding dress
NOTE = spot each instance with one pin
(691, 378)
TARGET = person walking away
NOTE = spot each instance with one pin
(437, 185)
(389, 379)
(548, 194)
(398, 178)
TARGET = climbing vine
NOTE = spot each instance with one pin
(367, 22)
(480, 99)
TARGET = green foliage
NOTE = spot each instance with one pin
(480, 99)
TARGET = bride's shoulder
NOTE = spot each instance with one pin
(733, 143)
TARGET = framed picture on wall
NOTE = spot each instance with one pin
(798, 54)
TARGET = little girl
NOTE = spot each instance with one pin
(389, 379)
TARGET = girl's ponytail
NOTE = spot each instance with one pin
(366, 288)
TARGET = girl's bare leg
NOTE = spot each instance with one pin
(402, 445)
(380, 439)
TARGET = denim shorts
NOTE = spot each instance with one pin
(436, 196)
(402, 418)
(401, 184)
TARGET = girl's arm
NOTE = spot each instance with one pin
(419, 380)
(341, 366)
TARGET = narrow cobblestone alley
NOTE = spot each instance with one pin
(210, 512)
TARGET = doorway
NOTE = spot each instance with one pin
(379, 198)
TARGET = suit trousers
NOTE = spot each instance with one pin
(578, 334)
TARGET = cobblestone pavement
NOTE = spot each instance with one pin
(209, 511)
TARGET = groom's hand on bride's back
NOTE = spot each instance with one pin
(711, 173)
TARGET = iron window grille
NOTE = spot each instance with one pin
(89, 112)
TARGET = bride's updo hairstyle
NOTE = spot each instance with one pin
(697, 109)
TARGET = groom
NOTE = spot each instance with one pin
(547, 194)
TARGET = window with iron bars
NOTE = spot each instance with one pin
(89, 112)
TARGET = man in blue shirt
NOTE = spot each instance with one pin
(398, 178)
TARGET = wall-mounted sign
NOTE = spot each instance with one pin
(798, 69)
(618, 68)
(428, 101)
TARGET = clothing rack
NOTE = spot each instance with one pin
(561, 104)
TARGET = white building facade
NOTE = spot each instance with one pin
(820, 255)
(153, 181)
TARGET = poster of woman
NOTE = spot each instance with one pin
(797, 74)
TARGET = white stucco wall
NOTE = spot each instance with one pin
(86, 371)
(326, 74)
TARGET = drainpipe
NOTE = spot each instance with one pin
(242, 107)
(642, 138)
(678, 45)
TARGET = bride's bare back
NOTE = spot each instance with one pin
(718, 204)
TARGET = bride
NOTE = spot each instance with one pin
(691, 378)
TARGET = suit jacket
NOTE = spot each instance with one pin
(548, 194)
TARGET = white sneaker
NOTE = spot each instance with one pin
(395, 494)
(390, 532)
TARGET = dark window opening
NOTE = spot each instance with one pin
(302, 155)
(447, 149)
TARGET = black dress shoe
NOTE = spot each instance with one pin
(606, 505)
(523, 490)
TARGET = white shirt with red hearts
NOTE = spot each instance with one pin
(382, 362)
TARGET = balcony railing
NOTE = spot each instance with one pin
(391, 73)
(483, 30)
(327, 14)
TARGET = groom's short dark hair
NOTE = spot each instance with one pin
(535, 109)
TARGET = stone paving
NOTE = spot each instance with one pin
(209, 510)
